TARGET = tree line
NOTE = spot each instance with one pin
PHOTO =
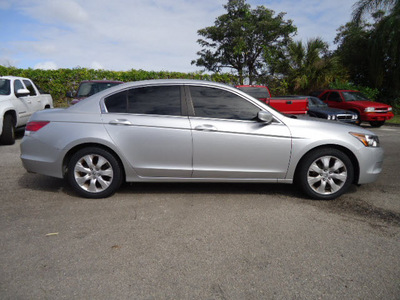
(257, 45)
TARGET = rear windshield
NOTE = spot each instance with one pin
(256, 92)
(5, 87)
(87, 89)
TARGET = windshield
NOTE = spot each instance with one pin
(256, 92)
(315, 102)
(5, 87)
(354, 96)
(87, 89)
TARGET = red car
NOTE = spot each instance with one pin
(293, 105)
(368, 111)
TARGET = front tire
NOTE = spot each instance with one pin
(325, 174)
(376, 123)
(8, 134)
(94, 173)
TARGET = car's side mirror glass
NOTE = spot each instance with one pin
(265, 116)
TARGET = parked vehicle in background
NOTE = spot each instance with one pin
(319, 109)
(19, 99)
(88, 88)
(368, 111)
(194, 131)
(287, 105)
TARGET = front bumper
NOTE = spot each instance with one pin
(370, 162)
(376, 116)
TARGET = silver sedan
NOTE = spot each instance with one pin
(194, 131)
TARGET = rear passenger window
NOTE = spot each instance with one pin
(154, 100)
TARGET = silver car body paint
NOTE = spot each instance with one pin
(188, 148)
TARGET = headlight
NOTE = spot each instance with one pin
(369, 109)
(368, 140)
(390, 109)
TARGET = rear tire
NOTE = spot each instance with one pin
(94, 173)
(8, 134)
(325, 174)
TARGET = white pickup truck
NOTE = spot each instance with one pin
(19, 99)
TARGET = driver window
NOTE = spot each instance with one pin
(216, 103)
(334, 96)
(17, 86)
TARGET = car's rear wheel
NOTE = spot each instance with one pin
(94, 173)
(325, 174)
(8, 133)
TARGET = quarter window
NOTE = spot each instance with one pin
(217, 103)
(155, 100)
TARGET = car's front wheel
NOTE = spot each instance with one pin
(325, 174)
(94, 173)
(376, 123)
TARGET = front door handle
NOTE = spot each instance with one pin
(206, 127)
(123, 122)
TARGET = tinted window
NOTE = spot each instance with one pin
(157, 100)
(5, 87)
(30, 87)
(216, 103)
(256, 92)
(334, 96)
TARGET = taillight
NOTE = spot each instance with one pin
(35, 125)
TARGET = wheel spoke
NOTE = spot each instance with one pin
(321, 188)
(314, 167)
(334, 186)
(338, 165)
(325, 161)
(80, 168)
(314, 180)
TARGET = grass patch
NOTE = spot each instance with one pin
(395, 120)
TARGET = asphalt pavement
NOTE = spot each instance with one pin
(199, 241)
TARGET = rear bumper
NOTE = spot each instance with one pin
(41, 158)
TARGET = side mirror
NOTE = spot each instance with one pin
(69, 95)
(265, 116)
(22, 93)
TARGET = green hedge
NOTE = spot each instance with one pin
(59, 82)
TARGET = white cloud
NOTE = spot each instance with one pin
(96, 66)
(142, 34)
(47, 65)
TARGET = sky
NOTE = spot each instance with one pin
(152, 35)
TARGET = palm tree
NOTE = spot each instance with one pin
(308, 66)
(385, 40)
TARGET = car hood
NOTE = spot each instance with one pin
(364, 104)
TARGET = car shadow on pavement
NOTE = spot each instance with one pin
(209, 188)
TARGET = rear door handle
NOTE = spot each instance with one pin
(289, 102)
(206, 127)
(123, 122)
